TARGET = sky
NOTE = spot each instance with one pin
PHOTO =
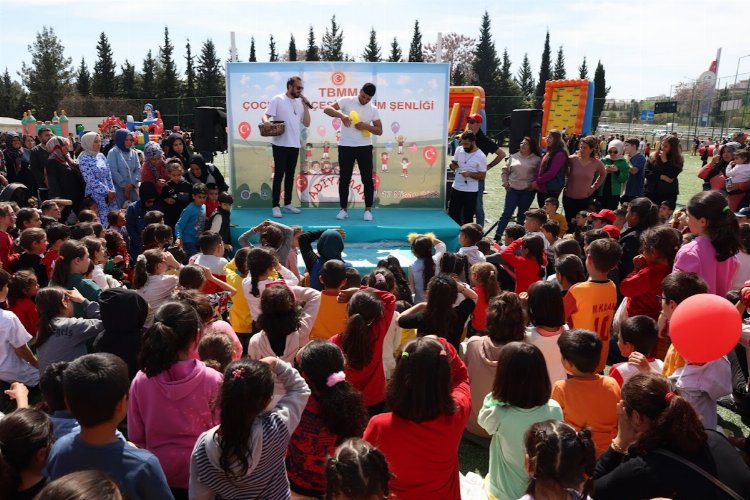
(646, 46)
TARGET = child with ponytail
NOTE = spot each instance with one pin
(485, 284)
(423, 269)
(70, 267)
(172, 397)
(243, 457)
(60, 336)
(22, 288)
(262, 268)
(357, 470)
(559, 461)
(335, 411)
(370, 312)
(713, 254)
(151, 281)
(529, 265)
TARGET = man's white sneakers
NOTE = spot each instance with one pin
(291, 209)
(342, 214)
(368, 215)
(276, 212)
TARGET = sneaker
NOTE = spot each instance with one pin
(342, 214)
(291, 209)
(368, 215)
(276, 212)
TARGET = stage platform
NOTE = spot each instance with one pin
(366, 242)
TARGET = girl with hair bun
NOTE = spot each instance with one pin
(151, 281)
(357, 470)
(370, 312)
(172, 396)
(334, 412)
(243, 456)
(662, 450)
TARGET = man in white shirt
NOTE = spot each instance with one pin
(470, 165)
(293, 109)
(356, 144)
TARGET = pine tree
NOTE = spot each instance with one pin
(458, 78)
(292, 49)
(415, 49)
(486, 62)
(127, 82)
(104, 68)
(252, 50)
(312, 53)
(583, 70)
(333, 42)
(372, 50)
(508, 90)
(273, 56)
(396, 54)
(559, 73)
(168, 82)
(148, 76)
(545, 73)
(210, 77)
(525, 78)
(48, 77)
(83, 79)
(600, 93)
(189, 71)
(8, 96)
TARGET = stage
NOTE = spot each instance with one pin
(366, 242)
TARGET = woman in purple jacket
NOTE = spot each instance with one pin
(550, 179)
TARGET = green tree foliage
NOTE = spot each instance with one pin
(486, 62)
(210, 79)
(600, 93)
(333, 42)
(83, 79)
(104, 68)
(292, 49)
(583, 70)
(127, 81)
(148, 76)
(189, 70)
(312, 53)
(168, 81)
(396, 54)
(14, 100)
(545, 73)
(273, 56)
(525, 78)
(372, 50)
(559, 73)
(415, 49)
(48, 76)
(252, 50)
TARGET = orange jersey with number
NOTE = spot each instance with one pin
(591, 305)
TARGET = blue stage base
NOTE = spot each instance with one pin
(366, 242)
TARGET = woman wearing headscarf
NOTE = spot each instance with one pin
(618, 170)
(97, 176)
(125, 167)
(176, 148)
(200, 171)
(17, 162)
(153, 169)
(64, 178)
(330, 246)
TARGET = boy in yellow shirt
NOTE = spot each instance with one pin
(331, 317)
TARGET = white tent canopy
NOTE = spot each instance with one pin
(10, 124)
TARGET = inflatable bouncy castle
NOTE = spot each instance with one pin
(568, 105)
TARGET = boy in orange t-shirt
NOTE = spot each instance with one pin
(591, 304)
(331, 317)
(587, 399)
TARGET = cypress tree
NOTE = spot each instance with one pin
(525, 78)
(83, 79)
(148, 76)
(292, 49)
(559, 73)
(545, 73)
(600, 93)
(127, 83)
(312, 53)
(189, 70)
(415, 49)
(104, 68)
(273, 56)
(168, 81)
(252, 50)
(583, 70)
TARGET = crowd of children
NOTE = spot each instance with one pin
(148, 348)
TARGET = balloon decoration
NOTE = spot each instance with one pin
(389, 146)
(395, 127)
(354, 117)
(705, 327)
(413, 148)
(429, 153)
(336, 123)
(321, 131)
(244, 129)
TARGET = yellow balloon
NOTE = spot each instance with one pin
(354, 117)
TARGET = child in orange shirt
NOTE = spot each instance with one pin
(591, 305)
(587, 398)
(331, 317)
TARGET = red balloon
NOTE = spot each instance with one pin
(244, 129)
(705, 327)
(429, 153)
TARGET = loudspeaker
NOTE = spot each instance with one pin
(524, 122)
(210, 132)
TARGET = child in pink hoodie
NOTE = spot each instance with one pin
(172, 396)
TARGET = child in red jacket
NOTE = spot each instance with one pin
(529, 266)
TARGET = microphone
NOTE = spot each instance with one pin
(306, 102)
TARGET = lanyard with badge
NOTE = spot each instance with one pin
(466, 164)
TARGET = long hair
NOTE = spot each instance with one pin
(521, 361)
(456, 264)
(22, 434)
(592, 143)
(259, 261)
(723, 229)
(145, 265)
(422, 248)
(244, 394)
(403, 292)
(48, 307)
(69, 251)
(674, 423)
(647, 212)
(674, 156)
(19, 284)
(556, 146)
(342, 407)
(440, 317)
(534, 245)
(175, 328)
(663, 240)
(280, 315)
(357, 470)
(82, 485)
(356, 341)
(487, 277)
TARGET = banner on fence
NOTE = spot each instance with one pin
(409, 158)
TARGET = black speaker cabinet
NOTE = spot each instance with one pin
(210, 132)
(524, 122)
